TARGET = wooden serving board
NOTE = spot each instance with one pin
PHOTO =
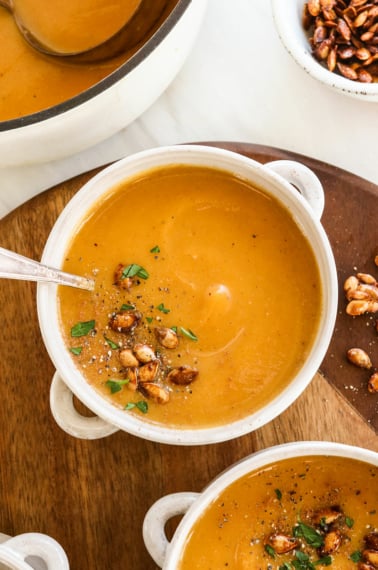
(92, 496)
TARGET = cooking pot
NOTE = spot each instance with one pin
(110, 105)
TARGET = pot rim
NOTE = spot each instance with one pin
(101, 185)
(107, 82)
(249, 464)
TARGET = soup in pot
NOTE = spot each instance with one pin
(207, 297)
(296, 514)
(31, 81)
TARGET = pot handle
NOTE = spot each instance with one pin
(34, 544)
(156, 517)
(304, 179)
(69, 419)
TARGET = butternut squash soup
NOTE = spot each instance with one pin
(31, 81)
(207, 297)
(295, 514)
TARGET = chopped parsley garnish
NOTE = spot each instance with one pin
(163, 309)
(116, 385)
(112, 344)
(349, 522)
(270, 550)
(356, 556)
(310, 535)
(134, 270)
(141, 405)
(188, 333)
(278, 494)
(127, 307)
(155, 249)
(325, 561)
(149, 319)
(76, 350)
(285, 566)
(185, 332)
(302, 561)
(82, 328)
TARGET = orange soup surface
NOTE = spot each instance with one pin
(31, 81)
(321, 510)
(207, 297)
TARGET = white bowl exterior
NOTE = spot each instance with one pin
(32, 550)
(103, 115)
(252, 463)
(98, 187)
(287, 16)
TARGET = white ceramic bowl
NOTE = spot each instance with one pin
(288, 20)
(306, 210)
(111, 104)
(167, 554)
(31, 551)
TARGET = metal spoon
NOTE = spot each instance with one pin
(129, 35)
(15, 266)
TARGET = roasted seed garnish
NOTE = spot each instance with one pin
(332, 542)
(125, 321)
(371, 540)
(182, 375)
(148, 372)
(144, 352)
(371, 557)
(373, 389)
(355, 308)
(281, 543)
(343, 34)
(120, 280)
(155, 392)
(128, 359)
(166, 337)
(359, 357)
(327, 515)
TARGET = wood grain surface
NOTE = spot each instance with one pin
(91, 496)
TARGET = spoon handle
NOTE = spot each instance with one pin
(15, 266)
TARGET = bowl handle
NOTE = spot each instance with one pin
(304, 179)
(69, 419)
(156, 517)
(34, 544)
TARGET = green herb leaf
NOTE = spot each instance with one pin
(174, 329)
(127, 307)
(116, 385)
(149, 319)
(189, 334)
(155, 249)
(76, 350)
(310, 535)
(325, 561)
(112, 344)
(134, 270)
(83, 328)
(270, 550)
(285, 566)
(278, 494)
(349, 522)
(163, 309)
(141, 405)
(356, 556)
(302, 561)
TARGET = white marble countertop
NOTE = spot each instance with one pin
(238, 84)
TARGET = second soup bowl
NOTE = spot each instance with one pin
(215, 296)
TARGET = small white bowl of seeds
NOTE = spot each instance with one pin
(334, 41)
